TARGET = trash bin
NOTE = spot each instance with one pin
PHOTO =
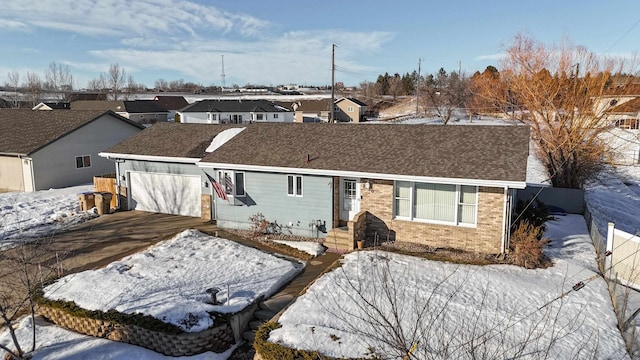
(87, 200)
(103, 202)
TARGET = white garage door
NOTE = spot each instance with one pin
(165, 193)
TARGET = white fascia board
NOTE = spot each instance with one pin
(359, 174)
(181, 160)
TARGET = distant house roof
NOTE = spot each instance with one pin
(143, 106)
(131, 107)
(353, 100)
(60, 105)
(308, 106)
(631, 106)
(234, 106)
(103, 105)
(186, 140)
(464, 152)
(171, 102)
(26, 131)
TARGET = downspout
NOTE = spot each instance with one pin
(503, 248)
(117, 184)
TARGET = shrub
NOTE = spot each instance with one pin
(273, 351)
(527, 246)
(533, 212)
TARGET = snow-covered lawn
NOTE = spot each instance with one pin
(169, 280)
(448, 305)
(615, 197)
(27, 216)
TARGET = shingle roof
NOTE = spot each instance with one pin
(353, 100)
(170, 140)
(171, 102)
(314, 105)
(143, 106)
(465, 152)
(631, 106)
(26, 131)
(115, 106)
(233, 106)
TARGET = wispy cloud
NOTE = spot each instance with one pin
(496, 56)
(187, 38)
(123, 17)
(13, 25)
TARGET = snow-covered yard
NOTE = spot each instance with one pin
(442, 307)
(169, 280)
(25, 216)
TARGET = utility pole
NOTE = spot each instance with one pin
(333, 83)
(418, 87)
(222, 75)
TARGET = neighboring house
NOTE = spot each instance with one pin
(623, 139)
(350, 110)
(313, 110)
(444, 186)
(140, 111)
(234, 112)
(172, 104)
(58, 148)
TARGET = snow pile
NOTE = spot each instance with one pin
(310, 247)
(169, 281)
(498, 306)
(26, 216)
(222, 138)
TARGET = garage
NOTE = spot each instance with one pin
(165, 193)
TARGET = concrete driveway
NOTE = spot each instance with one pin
(102, 240)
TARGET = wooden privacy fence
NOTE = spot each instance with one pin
(106, 183)
(624, 262)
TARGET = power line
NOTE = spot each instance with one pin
(623, 36)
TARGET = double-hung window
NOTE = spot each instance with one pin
(83, 161)
(437, 203)
(232, 182)
(294, 185)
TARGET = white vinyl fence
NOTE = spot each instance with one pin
(624, 262)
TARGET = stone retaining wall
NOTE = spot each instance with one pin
(216, 339)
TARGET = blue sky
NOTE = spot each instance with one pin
(287, 41)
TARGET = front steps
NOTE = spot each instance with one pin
(266, 311)
(339, 240)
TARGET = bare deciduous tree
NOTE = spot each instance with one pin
(562, 92)
(115, 80)
(59, 79)
(445, 93)
(33, 87)
(23, 269)
(13, 81)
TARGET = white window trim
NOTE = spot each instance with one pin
(295, 183)
(83, 165)
(232, 174)
(275, 116)
(436, 222)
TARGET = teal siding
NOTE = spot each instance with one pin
(267, 194)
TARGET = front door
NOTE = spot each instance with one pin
(349, 198)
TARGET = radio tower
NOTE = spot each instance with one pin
(222, 75)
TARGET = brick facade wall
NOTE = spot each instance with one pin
(485, 237)
(205, 207)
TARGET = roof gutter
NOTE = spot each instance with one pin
(359, 174)
(182, 160)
